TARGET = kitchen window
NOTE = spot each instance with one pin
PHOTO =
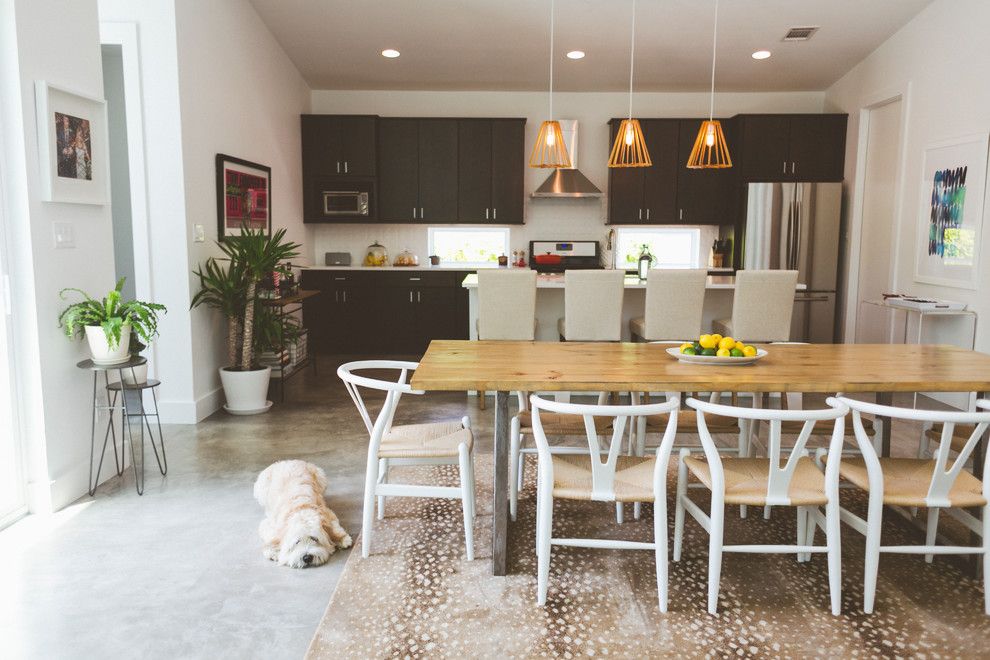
(468, 246)
(671, 247)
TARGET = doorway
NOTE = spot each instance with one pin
(878, 233)
(120, 177)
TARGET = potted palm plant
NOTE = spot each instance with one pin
(109, 323)
(230, 285)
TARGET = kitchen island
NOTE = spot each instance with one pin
(550, 302)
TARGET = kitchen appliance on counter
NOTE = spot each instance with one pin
(351, 198)
(795, 226)
(558, 256)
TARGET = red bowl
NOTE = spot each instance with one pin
(548, 259)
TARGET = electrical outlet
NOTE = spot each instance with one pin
(64, 235)
(199, 234)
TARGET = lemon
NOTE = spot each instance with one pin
(723, 352)
(749, 351)
(727, 342)
(708, 341)
(717, 337)
(686, 344)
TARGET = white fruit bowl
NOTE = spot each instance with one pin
(715, 359)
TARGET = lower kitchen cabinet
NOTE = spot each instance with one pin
(384, 312)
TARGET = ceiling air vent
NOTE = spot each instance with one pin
(800, 33)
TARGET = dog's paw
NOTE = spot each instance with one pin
(345, 542)
(270, 552)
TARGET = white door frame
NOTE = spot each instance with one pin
(125, 35)
(868, 104)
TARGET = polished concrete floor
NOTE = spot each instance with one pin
(179, 572)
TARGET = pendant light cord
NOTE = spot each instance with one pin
(551, 60)
(632, 52)
(711, 101)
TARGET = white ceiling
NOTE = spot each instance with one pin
(504, 44)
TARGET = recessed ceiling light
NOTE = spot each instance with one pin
(761, 54)
(390, 53)
(575, 54)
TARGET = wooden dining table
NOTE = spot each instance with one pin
(509, 366)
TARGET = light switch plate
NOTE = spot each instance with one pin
(64, 236)
(199, 234)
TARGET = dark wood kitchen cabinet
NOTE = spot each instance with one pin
(808, 147)
(339, 145)
(384, 312)
(491, 170)
(704, 196)
(417, 174)
(646, 195)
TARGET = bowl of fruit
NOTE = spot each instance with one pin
(716, 349)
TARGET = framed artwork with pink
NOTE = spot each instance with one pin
(244, 196)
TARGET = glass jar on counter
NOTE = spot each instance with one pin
(376, 255)
(406, 258)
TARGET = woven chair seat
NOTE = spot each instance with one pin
(558, 424)
(906, 481)
(746, 480)
(687, 422)
(793, 427)
(960, 435)
(434, 440)
(633, 478)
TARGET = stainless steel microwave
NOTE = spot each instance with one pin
(352, 203)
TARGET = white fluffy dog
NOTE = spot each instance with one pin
(299, 529)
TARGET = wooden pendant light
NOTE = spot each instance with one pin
(630, 149)
(550, 150)
(710, 150)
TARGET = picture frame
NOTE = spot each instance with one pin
(73, 147)
(244, 196)
(950, 223)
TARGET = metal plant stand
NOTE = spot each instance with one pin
(131, 404)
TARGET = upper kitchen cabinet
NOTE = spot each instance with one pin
(646, 195)
(417, 172)
(343, 145)
(490, 171)
(704, 196)
(791, 147)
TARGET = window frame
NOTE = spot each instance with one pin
(694, 233)
(432, 232)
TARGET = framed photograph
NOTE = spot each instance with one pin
(244, 196)
(953, 182)
(72, 145)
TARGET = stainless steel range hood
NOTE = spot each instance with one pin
(567, 183)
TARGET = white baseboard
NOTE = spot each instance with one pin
(190, 412)
(73, 484)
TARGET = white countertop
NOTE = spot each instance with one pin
(420, 267)
(554, 281)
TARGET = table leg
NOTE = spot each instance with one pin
(885, 399)
(500, 506)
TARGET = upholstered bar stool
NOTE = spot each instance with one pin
(506, 307)
(592, 305)
(762, 305)
(674, 303)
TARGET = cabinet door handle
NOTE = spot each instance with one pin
(419, 296)
(647, 214)
(420, 212)
(680, 214)
(336, 296)
(494, 214)
(340, 279)
(345, 167)
(641, 214)
(410, 295)
(415, 279)
(486, 214)
(338, 167)
(345, 295)
(785, 167)
(414, 213)
(792, 167)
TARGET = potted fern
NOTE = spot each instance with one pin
(230, 285)
(108, 323)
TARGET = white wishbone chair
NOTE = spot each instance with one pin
(765, 481)
(435, 443)
(601, 477)
(937, 484)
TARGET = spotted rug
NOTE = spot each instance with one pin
(417, 596)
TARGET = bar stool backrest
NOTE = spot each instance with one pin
(762, 304)
(674, 302)
(507, 304)
(593, 305)
(944, 475)
(603, 472)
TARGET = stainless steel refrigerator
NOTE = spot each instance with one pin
(795, 226)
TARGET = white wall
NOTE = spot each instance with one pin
(545, 218)
(54, 396)
(942, 55)
(242, 96)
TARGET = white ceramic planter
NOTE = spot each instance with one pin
(140, 374)
(100, 349)
(246, 391)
